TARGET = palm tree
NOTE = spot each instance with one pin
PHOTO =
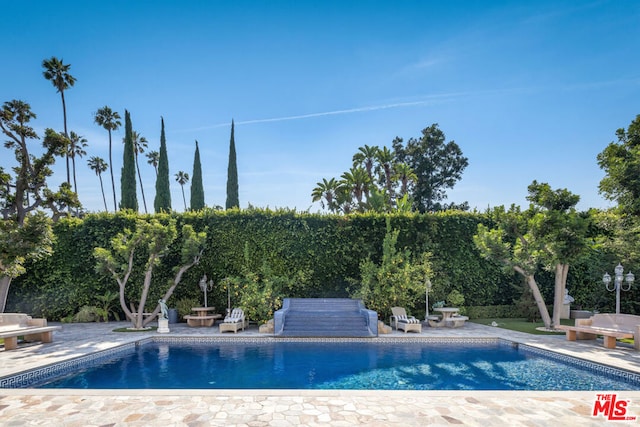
(58, 73)
(139, 145)
(110, 120)
(153, 159)
(357, 181)
(384, 169)
(183, 178)
(98, 165)
(404, 174)
(77, 145)
(326, 190)
(344, 198)
(365, 157)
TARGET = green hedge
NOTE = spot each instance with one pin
(323, 252)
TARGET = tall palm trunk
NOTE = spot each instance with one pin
(104, 199)
(113, 183)
(184, 200)
(144, 202)
(66, 134)
(73, 167)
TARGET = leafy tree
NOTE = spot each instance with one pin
(109, 120)
(128, 196)
(18, 243)
(58, 74)
(233, 199)
(139, 145)
(24, 232)
(153, 157)
(508, 244)
(182, 178)
(98, 165)
(560, 231)
(621, 164)
(197, 190)
(437, 164)
(154, 238)
(162, 201)
(77, 145)
(550, 233)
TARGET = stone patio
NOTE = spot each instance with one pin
(26, 407)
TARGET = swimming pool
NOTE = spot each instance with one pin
(484, 364)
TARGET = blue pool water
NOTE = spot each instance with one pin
(337, 365)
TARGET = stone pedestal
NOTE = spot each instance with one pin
(565, 311)
(163, 326)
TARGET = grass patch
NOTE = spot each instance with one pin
(521, 325)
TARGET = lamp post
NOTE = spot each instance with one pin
(205, 286)
(617, 283)
(426, 297)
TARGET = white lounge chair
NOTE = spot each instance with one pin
(403, 322)
(233, 321)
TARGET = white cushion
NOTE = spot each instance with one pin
(405, 319)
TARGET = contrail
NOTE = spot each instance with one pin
(324, 113)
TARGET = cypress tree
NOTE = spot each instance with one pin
(197, 190)
(162, 201)
(232, 175)
(128, 199)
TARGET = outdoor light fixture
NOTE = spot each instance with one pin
(617, 283)
(205, 287)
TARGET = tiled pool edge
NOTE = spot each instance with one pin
(32, 377)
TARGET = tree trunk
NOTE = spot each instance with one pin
(143, 296)
(5, 282)
(144, 201)
(104, 199)
(113, 183)
(531, 281)
(562, 270)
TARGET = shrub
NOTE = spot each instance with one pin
(88, 314)
(184, 307)
(397, 281)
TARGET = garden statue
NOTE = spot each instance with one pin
(568, 299)
(164, 313)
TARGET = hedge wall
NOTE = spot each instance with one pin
(323, 251)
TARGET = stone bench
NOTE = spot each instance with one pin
(455, 321)
(14, 325)
(205, 320)
(610, 326)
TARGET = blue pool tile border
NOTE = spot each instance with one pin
(36, 376)
(617, 373)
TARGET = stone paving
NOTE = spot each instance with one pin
(27, 407)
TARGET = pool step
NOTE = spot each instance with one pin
(325, 317)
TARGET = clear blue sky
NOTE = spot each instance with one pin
(528, 89)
